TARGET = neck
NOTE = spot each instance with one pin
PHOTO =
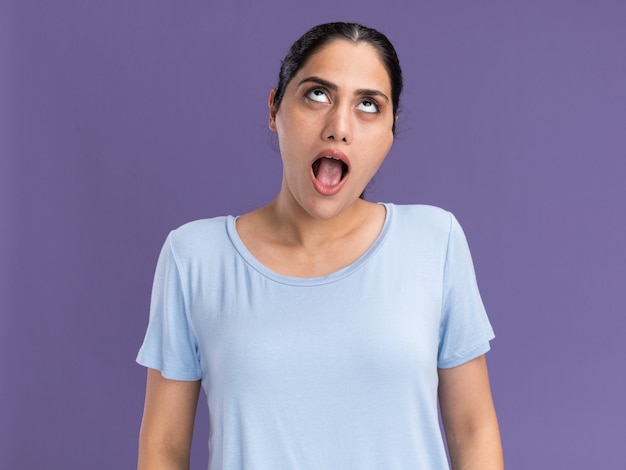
(309, 243)
(297, 227)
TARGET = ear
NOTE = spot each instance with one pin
(270, 104)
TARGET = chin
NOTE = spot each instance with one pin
(328, 208)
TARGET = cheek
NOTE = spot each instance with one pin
(380, 143)
(379, 149)
(291, 130)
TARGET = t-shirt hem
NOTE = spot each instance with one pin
(167, 372)
(466, 357)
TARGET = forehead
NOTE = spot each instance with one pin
(348, 65)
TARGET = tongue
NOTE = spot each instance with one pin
(329, 171)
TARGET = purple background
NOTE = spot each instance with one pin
(122, 120)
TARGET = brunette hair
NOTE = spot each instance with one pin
(319, 36)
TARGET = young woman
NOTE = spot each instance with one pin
(324, 329)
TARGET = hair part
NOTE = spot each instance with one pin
(319, 36)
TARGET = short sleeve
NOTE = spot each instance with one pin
(169, 344)
(465, 330)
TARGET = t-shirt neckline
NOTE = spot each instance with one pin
(255, 264)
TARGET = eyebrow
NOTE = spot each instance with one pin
(333, 87)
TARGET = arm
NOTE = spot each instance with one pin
(167, 425)
(469, 417)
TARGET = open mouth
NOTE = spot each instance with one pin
(329, 171)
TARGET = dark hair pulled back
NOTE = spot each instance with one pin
(319, 36)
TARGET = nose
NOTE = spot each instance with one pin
(338, 125)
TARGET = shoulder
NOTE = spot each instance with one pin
(420, 229)
(198, 227)
(199, 235)
(423, 218)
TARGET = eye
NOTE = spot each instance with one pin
(318, 95)
(369, 106)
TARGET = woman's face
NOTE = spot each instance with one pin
(334, 127)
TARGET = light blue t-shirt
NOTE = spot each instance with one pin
(334, 372)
